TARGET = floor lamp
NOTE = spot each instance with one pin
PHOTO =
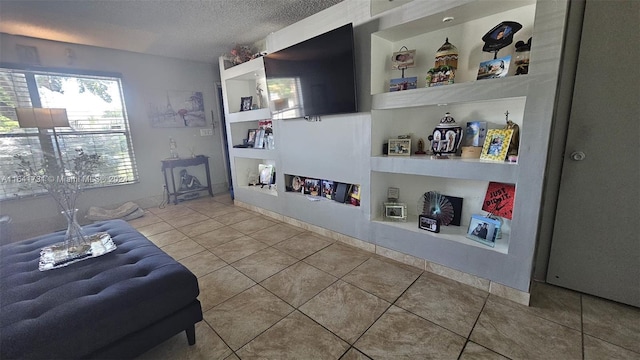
(44, 118)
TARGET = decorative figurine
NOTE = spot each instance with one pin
(420, 150)
(515, 138)
(444, 71)
(447, 136)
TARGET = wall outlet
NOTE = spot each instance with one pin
(206, 132)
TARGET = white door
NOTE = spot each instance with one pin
(596, 241)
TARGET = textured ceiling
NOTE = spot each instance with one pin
(200, 30)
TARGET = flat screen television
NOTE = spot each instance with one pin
(313, 78)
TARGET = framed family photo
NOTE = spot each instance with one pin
(245, 103)
(496, 144)
(399, 147)
(483, 229)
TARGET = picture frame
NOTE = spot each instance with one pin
(265, 172)
(405, 83)
(494, 68)
(327, 188)
(483, 230)
(259, 143)
(394, 211)
(475, 133)
(245, 103)
(251, 136)
(399, 147)
(312, 187)
(496, 144)
(403, 59)
(297, 184)
(429, 224)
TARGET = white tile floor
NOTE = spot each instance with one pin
(274, 291)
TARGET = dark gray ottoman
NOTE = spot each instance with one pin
(116, 306)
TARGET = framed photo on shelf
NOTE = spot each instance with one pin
(483, 229)
(259, 142)
(266, 174)
(407, 83)
(403, 59)
(496, 144)
(395, 211)
(327, 188)
(429, 224)
(399, 147)
(251, 136)
(297, 184)
(312, 187)
(245, 103)
(494, 68)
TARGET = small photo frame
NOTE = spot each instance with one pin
(429, 224)
(327, 188)
(483, 229)
(400, 84)
(297, 184)
(312, 187)
(495, 68)
(395, 211)
(496, 144)
(245, 103)
(251, 136)
(259, 142)
(265, 172)
(403, 59)
(400, 147)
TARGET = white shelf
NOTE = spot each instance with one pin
(447, 233)
(251, 115)
(249, 153)
(454, 167)
(256, 190)
(246, 71)
(479, 90)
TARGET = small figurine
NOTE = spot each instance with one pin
(420, 150)
(515, 138)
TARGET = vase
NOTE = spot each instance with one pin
(76, 245)
(75, 239)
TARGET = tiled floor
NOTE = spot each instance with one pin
(274, 291)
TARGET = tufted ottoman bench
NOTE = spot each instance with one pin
(114, 306)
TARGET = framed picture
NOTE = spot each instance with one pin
(395, 211)
(400, 84)
(496, 144)
(399, 147)
(355, 191)
(245, 103)
(475, 133)
(403, 59)
(483, 230)
(327, 189)
(495, 68)
(259, 142)
(312, 187)
(297, 184)
(251, 136)
(266, 174)
(429, 224)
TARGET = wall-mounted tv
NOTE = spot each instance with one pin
(313, 78)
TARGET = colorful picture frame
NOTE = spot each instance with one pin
(495, 68)
(400, 84)
(496, 144)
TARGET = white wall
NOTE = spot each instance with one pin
(145, 79)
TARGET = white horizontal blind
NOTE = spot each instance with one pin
(97, 119)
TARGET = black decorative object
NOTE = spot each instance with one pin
(500, 36)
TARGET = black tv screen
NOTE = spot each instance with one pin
(313, 78)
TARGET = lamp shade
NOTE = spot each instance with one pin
(43, 118)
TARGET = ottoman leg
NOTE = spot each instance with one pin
(191, 334)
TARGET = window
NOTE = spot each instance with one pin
(97, 118)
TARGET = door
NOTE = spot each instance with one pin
(596, 243)
(225, 143)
